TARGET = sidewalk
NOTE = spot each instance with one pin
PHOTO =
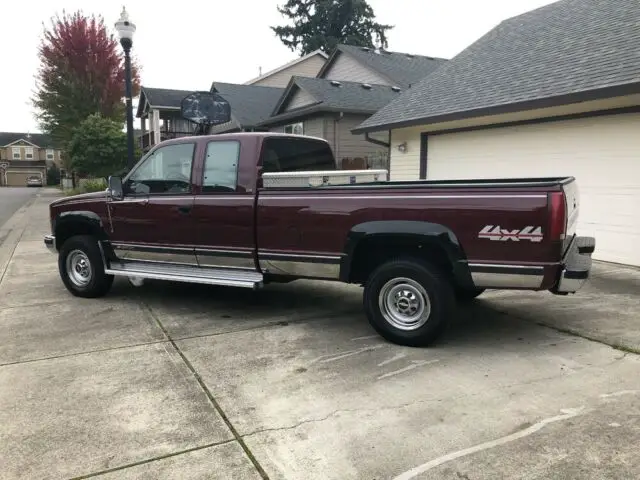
(177, 381)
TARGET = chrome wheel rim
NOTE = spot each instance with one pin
(404, 303)
(79, 268)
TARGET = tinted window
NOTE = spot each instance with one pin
(221, 167)
(166, 170)
(289, 154)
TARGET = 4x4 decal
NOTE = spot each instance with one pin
(495, 232)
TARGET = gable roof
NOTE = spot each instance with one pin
(401, 69)
(329, 95)
(568, 51)
(287, 65)
(166, 98)
(40, 140)
(250, 104)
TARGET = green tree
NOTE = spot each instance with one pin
(324, 24)
(81, 72)
(98, 147)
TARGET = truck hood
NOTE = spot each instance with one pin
(80, 197)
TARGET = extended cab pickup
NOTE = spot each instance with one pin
(219, 210)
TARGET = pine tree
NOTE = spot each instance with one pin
(326, 23)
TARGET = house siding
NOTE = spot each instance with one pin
(348, 69)
(307, 68)
(299, 99)
(405, 166)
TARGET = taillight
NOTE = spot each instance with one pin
(558, 221)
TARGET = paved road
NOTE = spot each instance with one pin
(11, 199)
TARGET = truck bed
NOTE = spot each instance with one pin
(532, 182)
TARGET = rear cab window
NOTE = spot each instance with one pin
(221, 166)
(291, 154)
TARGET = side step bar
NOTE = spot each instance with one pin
(186, 273)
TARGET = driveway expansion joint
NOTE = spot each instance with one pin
(237, 437)
(150, 460)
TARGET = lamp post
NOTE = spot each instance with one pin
(125, 30)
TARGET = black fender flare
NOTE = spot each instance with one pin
(88, 221)
(415, 231)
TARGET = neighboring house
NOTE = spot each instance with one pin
(552, 92)
(26, 154)
(250, 105)
(330, 109)
(161, 108)
(306, 66)
(381, 67)
(364, 81)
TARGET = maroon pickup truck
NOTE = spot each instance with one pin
(218, 210)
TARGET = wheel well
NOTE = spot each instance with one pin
(372, 252)
(71, 228)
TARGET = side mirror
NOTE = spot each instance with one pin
(115, 188)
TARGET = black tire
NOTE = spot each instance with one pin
(78, 252)
(420, 278)
(464, 295)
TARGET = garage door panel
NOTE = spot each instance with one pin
(602, 153)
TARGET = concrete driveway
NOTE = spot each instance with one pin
(193, 382)
(11, 199)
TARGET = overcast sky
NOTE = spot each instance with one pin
(187, 45)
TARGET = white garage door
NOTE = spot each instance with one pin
(603, 153)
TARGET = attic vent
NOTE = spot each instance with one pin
(365, 49)
(366, 86)
(335, 83)
(395, 89)
(409, 55)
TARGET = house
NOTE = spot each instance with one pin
(330, 109)
(306, 66)
(381, 67)
(26, 154)
(353, 83)
(161, 107)
(250, 106)
(552, 92)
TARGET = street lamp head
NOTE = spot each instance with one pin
(125, 28)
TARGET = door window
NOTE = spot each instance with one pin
(221, 167)
(166, 171)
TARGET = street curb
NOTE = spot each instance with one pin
(12, 232)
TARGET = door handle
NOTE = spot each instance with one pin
(184, 208)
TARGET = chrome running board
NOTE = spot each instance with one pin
(186, 273)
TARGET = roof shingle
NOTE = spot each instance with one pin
(250, 104)
(564, 48)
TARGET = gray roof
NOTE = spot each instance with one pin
(40, 139)
(402, 69)
(161, 97)
(335, 96)
(562, 52)
(250, 104)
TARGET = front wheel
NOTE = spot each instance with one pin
(408, 302)
(82, 269)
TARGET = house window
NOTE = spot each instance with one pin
(295, 128)
(50, 155)
(28, 151)
(16, 155)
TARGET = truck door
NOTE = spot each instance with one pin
(154, 220)
(223, 210)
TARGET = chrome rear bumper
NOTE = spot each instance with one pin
(576, 266)
(50, 243)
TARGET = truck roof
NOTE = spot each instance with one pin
(239, 135)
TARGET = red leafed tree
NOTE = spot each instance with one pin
(81, 73)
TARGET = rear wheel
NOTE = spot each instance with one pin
(408, 301)
(82, 269)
